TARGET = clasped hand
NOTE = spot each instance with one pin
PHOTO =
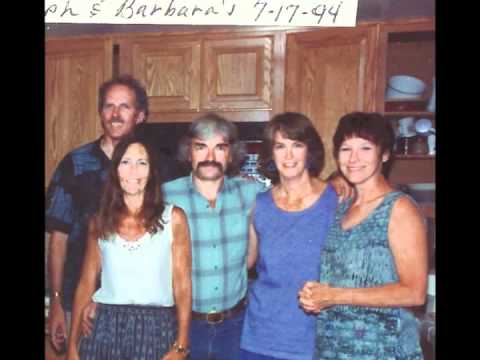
(314, 297)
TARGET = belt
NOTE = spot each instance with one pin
(219, 317)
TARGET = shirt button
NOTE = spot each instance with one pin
(214, 246)
(215, 267)
(216, 287)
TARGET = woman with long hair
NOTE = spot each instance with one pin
(140, 247)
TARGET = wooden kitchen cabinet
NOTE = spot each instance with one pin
(331, 72)
(73, 72)
(187, 74)
(408, 48)
(238, 73)
(169, 67)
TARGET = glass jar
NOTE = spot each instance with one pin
(418, 146)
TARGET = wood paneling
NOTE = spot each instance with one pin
(406, 171)
(73, 72)
(185, 116)
(170, 70)
(330, 73)
(238, 73)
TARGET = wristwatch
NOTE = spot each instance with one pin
(181, 349)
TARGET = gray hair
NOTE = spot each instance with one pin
(204, 127)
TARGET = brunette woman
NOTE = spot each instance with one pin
(140, 247)
(288, 229)
(374, 263)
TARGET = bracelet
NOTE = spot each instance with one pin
(180, 349)
(55, 294)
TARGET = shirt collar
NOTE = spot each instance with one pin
(98, 152)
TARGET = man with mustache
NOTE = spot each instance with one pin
(217, 204)
(74, 193)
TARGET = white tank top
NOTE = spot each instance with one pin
(138, 272)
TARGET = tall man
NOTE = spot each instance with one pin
(74, 193)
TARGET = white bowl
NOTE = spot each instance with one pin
(405, 87)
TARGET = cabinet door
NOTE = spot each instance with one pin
(74, 69)
(238, 73)
(329, 73)
(169, 67)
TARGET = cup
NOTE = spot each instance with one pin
(405, 126)
(423, 126)
(419, 145)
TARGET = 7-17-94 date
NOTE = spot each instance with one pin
(293, 11)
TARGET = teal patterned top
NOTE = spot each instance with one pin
(360, 257)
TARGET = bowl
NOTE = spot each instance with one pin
(404, 87)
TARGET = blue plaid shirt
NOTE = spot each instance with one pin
(219, 239)
(73, 196)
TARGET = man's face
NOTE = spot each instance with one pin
(210, 157)
(119, 114)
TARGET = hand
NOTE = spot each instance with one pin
(315, 297)
(57, 325)
(173, 355)
(343, 189)
(87, 317)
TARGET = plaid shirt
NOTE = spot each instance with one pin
(73, 196)
(219, 239)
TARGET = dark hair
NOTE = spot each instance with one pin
(141, 99)
(370, 126)
(294, 126)
(112, 205)
(211, 123)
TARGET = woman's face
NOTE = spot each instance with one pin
(360, 159)
(134, 169)
(290, 156)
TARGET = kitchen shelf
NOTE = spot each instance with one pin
(413, 157)
(408, 113)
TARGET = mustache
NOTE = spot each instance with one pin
(210, 163)
(117, 120)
